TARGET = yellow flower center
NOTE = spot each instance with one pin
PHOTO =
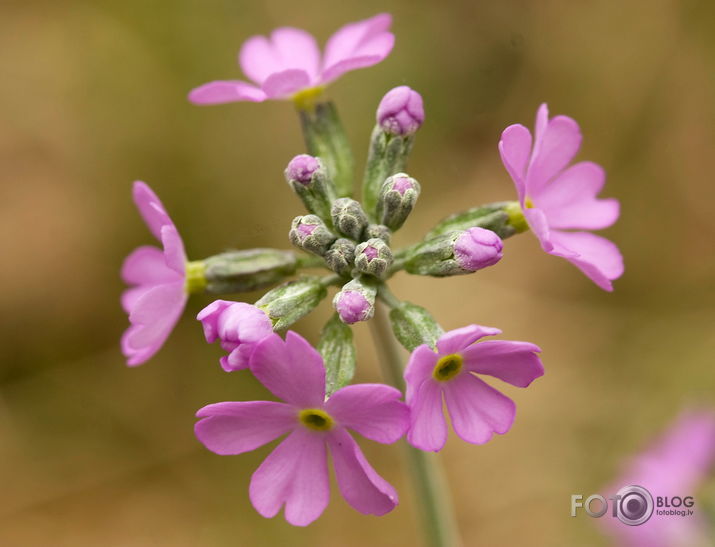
(448, 367)
(305, 98)
(529, 204)
(316, 419)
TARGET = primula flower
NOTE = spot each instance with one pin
(289, 62)
(675, 465)
(555, 196)
(477, 410)
(295, 474)
(158, 296)
(238, 326)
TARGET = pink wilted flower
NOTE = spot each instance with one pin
(238, 326)
(675, 465)
(290, 62)
(295, 474)
(477, 409)
(555, 196)
(158, 294)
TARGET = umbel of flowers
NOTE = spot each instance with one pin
(349, 235)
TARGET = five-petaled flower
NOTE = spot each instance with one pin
(238, 326)
(159, 294)
(555, 196)
(477, 409)
(289, 62)
(296, 472)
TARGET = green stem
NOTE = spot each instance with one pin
(430, 487)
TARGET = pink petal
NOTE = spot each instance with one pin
(281, 85)
(209, 318)
(553, 151)
(238, 359)
(359, 483)
(373, 410)
(542, 120)
(477, 409)
(288, 48)
(153, 317)
(357, 45)
(147, 266)
(570, 200)
(598, 257)
(233, 428)
(226, 91)
(174, 253)
(292, 369)
(428, 429)
(536, 219)
(294, 474)
(419, 368)
(456, 340)
(150, 208)
(515, 149)
(513, 362)
(130, 296)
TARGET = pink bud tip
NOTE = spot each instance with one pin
(401, 111)
(301, 168)
(352, 307)
(477, 248)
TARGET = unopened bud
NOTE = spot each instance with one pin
(356, 301)
(396, 200)
(287, 303)
(455, 253)
(309, 179)
(373, 257)
(341, 256)
(310, 234)
(379, 231)
(401, 111)
(348, 217)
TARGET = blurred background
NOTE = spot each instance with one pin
(94, 97)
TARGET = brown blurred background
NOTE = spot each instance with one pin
(93, 97)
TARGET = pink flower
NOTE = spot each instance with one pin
(676, 464)
(158, 295)
(290, 62)
(295, 474)
(477, 409)
(239, 327)
(555, 196)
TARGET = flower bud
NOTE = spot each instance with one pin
(455, 253)
(309, 179)
(396, 200)
(356, 301)
(247, 270)
(310, 234)
(348, 217)
(379, 231)
(373, 257)
(401, 111)
(341, 256)
(287, 303)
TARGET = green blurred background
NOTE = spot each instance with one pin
(93, 97)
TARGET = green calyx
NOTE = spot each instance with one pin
(195, 277)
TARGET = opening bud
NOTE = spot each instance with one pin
(401, 111)
(455, 253)
(348, 217)
(287, 303)
(396, 200)
(341, 256)
(373, 257)
(310, 234)
(356, 301)
(309, 179)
